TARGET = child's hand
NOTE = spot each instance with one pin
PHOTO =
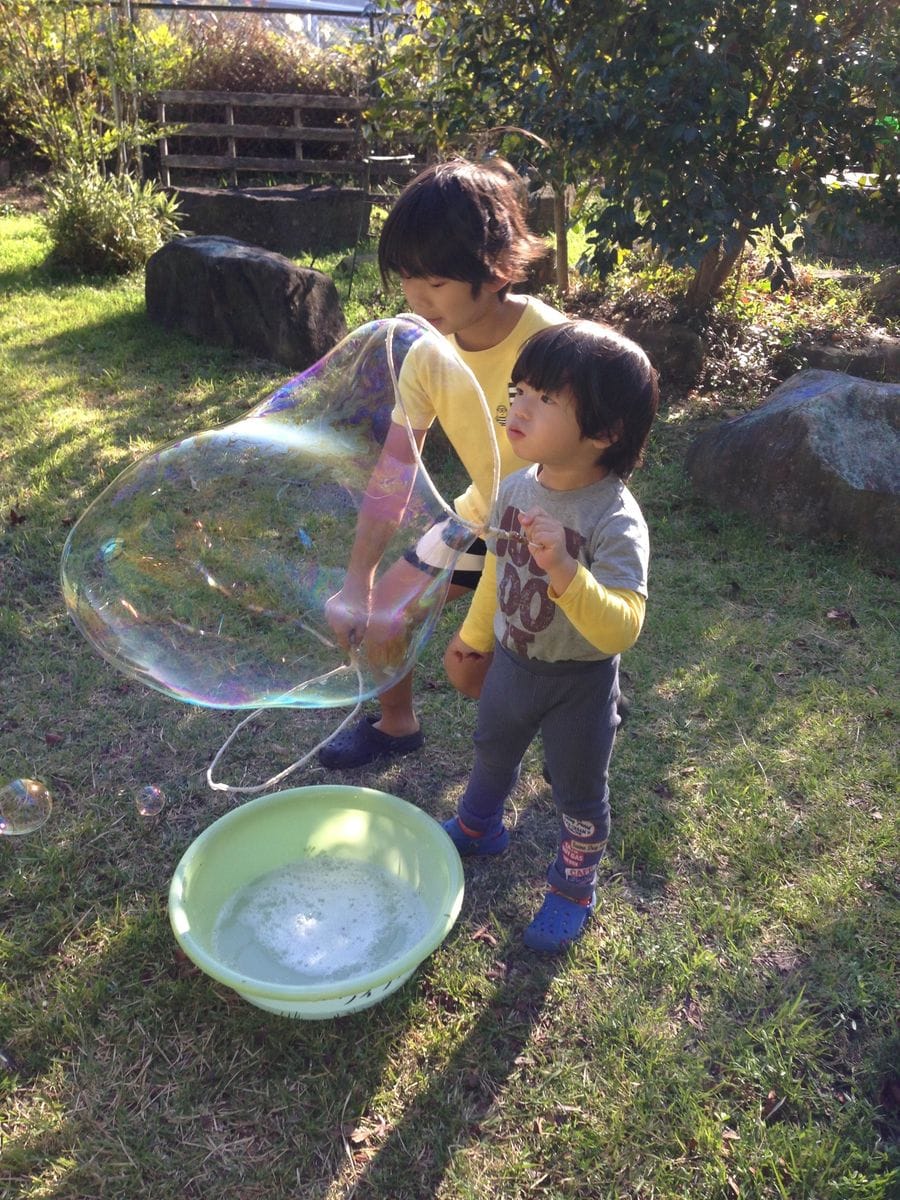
(465, 667)
(547, 543)
(347, 612)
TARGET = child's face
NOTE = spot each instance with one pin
(448, 304)
(542, 427)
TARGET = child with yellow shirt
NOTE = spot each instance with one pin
(457, 238)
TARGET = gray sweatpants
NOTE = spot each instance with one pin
(573, 706)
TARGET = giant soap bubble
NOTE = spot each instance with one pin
(203, 569)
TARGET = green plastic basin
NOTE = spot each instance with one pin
(274, 831)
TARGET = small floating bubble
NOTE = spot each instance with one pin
(25, 805)
(150, 801)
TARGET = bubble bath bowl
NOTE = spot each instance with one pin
(316, 901)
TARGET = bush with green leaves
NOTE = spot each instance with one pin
(107, 225)
(75, 80)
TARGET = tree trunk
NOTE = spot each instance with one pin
(709, 278)
(561, 229)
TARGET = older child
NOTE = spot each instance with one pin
(561, 597)
(457, 239)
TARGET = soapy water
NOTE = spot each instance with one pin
(203, 570)
(25, 804)
(319, 919)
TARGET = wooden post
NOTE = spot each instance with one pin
(298, 124)
(163, 143)
(232, 143)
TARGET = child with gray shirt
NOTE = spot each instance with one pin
(562, 595)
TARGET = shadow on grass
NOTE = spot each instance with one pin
(449, 1114)
(28, 279)
(160, 1073)
(164, 1076)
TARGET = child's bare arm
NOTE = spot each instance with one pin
(466, 667)
(347, 612)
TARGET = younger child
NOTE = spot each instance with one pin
(458, 239)
(560, 598)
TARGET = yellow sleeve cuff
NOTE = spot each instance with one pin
(609, 618)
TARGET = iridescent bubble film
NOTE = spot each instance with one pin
(203, 570)
(25, 805)
(150, 801)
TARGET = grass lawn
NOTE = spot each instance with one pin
(726, 1028)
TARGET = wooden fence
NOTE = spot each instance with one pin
(334, 146)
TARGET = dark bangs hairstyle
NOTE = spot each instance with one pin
(613, 385)
(460, 220)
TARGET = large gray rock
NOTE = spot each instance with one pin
(885, 293)
(878, 357)
(820, 458)
(677, 353)
(226, 292)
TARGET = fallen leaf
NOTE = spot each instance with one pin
(483, 934)
(53, 739)
(563, 1113)
(842, 616)
(358, 1135)
(354, 1134)
(771, 1105)
(692, 1012)
(734, 1187)
(15, 517)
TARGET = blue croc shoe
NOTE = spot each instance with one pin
(558, 922)
(494, 841)
(362, 744)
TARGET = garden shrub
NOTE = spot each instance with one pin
(243, 56)
(106, 225)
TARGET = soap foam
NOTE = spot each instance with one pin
(321, 918)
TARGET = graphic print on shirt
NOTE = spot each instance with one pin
(524, 601)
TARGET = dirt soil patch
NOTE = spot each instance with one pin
(27, 198)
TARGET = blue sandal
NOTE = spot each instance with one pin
(362, 744)
(493, 841)
(558, 922)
